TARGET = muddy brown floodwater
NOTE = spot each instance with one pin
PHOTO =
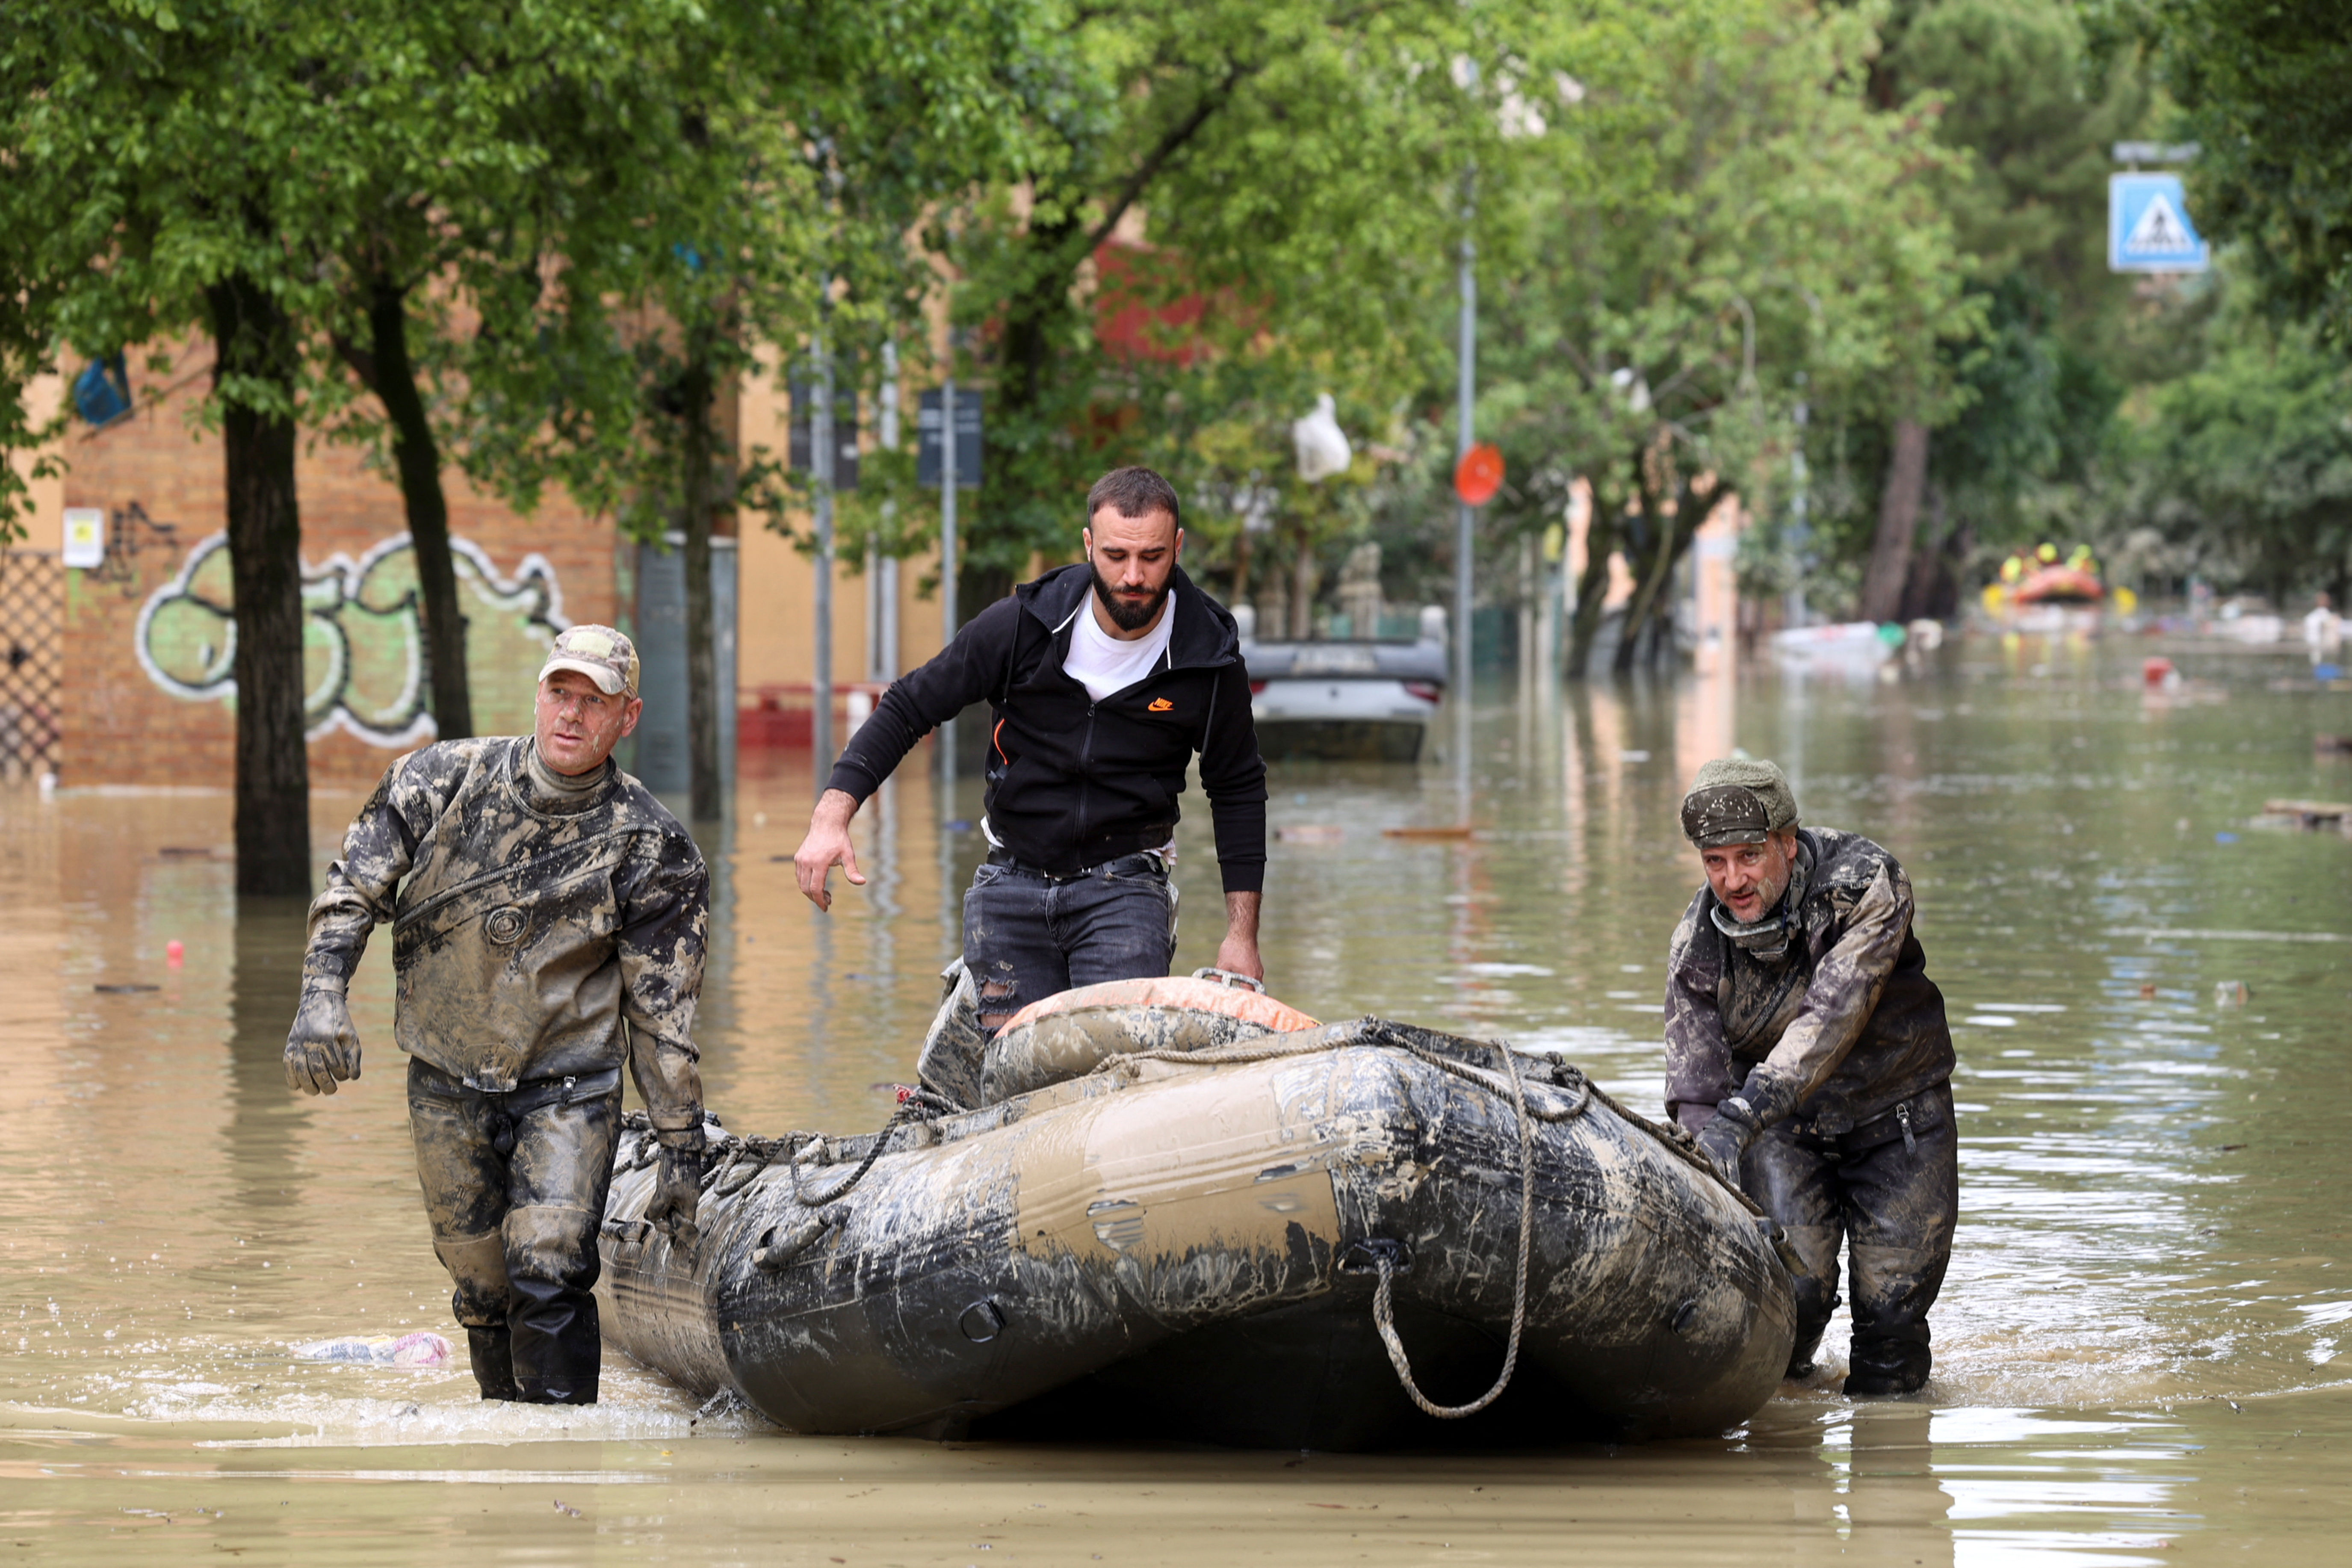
(2142, 1352)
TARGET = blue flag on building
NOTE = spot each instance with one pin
(2148, 229)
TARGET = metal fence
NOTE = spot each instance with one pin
(32, 660)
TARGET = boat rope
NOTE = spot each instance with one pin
(1674, 1139)
(1373, 1032)
(1385, 1320)
(913, 1103)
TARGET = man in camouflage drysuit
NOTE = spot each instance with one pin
(548, 920)
(1807, 1048)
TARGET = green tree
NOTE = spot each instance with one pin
(506, 138)
(1295, 168)
(1728, 227)
(2029, 111)
(2246, 463)
(172, 170)
(769, 210)
(2262, 82)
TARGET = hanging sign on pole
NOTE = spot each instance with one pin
(2148, 229)
(1479, 474)
(967, 450)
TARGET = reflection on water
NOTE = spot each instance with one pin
(2138, 1350)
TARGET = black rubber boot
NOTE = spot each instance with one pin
(559, 1349)
(1890, 1363)
(493, 1355)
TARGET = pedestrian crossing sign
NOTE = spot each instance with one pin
(2148, 229)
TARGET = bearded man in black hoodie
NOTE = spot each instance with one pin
(1104, 679)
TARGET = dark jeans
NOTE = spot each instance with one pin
(1894, 1206)
(514, 1187)
(1028, 936)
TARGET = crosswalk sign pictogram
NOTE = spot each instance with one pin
(2148, 229)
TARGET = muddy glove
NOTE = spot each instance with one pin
(678, 1189)
(321, 1048)
(1724, 1140)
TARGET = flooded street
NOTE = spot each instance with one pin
(2143, 1352)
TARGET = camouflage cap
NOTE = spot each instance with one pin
(601, 654)
(1737, 800)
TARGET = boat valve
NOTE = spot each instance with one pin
(1365, 1256)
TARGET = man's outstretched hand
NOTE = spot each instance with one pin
(827, 846)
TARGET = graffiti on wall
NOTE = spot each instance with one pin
(364, 639)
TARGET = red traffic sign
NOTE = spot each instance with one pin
(1479, 474)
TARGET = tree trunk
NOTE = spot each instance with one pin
(418, 459)
(1670, 535)
(1646, 589)
(1592, 587)
(1929, 555)
(1898, 522)
(702, 643)
(1303, 584)
(256, 345)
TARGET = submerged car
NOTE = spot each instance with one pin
(1354, 701)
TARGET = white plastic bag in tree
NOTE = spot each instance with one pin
(1323, 448)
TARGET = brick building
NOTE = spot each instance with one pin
(119, 670)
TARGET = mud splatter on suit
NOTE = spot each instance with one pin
(1840, 1047)
(544, 929)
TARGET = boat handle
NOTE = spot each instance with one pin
(1364, 1257)
(774, 1251)
(1227, 977)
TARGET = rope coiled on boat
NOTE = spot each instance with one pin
(1373, 1031)
(1384, 1317)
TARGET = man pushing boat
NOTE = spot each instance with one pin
(548, 921)
(1104, 679)
(1807, 1050)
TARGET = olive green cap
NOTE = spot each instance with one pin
(1737, 800)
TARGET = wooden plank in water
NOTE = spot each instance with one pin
(2310, 812)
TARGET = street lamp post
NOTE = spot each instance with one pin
(948, 566)
(1465, 515)
(821, 470)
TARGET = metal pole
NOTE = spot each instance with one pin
(1465, 516)
(820, 467)
(948, 567)
(886, 586)
(1800, 541)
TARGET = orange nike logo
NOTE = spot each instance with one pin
(1161, 705)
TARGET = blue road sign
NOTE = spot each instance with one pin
(2148, 229)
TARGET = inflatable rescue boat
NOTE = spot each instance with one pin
(1171, 1209)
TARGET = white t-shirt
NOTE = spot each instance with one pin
(1104, 665)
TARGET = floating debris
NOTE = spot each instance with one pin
(379, 1350)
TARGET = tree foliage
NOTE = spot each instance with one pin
(2244, 464)
(1724, 227)
(1295, 169)
(2263, 85)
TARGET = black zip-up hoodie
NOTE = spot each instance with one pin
(1073, 783)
